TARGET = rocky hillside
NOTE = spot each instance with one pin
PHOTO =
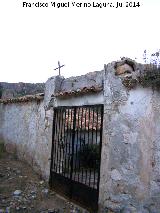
(13, 90)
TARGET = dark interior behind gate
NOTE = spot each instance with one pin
(76, 152)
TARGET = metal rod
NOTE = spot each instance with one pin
(101, 127)
(65, 144)
(77, 144)
(73, 138)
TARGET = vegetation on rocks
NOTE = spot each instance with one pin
(151, 73)
(150, 77)
(14, 90)
(1, 91)
(2, 148)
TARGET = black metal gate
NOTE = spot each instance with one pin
(76, 153)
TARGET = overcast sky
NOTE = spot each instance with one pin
(32, 40)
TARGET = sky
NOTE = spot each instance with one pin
(33, 39)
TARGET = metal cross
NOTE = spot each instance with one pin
(59, 67)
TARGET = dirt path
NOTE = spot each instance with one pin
(22, 190)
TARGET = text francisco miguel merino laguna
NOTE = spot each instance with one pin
(82, 4)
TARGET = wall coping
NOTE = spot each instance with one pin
(26, 98)
(82, 91)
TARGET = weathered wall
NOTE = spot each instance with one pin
(130, 160)
(88, 99)
(25, 125)
(130, 166)
(78, 82)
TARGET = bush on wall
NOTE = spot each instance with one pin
(150, 77)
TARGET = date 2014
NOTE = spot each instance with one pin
(132, 4)
(125, 4)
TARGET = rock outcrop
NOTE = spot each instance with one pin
(14, 90)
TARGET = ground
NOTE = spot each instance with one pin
(23, 191)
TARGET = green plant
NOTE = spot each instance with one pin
(151, 77)
(2, 148)
(1, 91)
(89, 156)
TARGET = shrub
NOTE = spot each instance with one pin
(2, 148)
(151, 77)
(89, 156)
(1, 91)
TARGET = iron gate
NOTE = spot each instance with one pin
(76, 153)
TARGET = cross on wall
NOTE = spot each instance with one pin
(59, 67)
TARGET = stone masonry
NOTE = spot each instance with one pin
(130, 157)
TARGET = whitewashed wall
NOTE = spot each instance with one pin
(130, 159)
(130, 162)
(29, 127)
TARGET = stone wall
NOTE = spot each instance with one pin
(130, 159)
(26, 123)
(79, 82)
(130, 165)
(26, 128)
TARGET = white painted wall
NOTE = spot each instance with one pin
(87, 99)
(28, 126)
